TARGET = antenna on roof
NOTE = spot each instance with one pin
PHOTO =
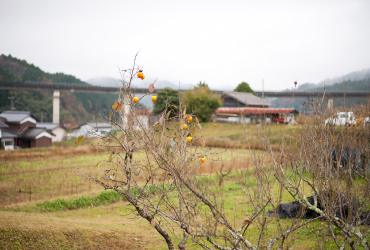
(11, 102)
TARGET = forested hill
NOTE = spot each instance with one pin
(15, 70)
(76, 108)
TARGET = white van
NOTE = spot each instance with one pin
(342, 118)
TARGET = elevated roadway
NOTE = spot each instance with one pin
(98, 89)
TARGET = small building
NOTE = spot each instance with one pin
(35, 138)
(21, 132)
(255, 115)
(92, 129)
(242, 99)
(57, 129)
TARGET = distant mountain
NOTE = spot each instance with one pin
(348, 79)
(353, 76)
(358, 81)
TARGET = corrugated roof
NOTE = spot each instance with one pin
(247, 98)
(15, 116)
(8, 134)
(3, 125)
(256, 110)
(47, 125)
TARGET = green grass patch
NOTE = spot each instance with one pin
(103, 198)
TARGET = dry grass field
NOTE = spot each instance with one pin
(48, 174)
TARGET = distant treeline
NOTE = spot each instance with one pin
(76, 108)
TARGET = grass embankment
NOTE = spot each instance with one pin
(76, 224)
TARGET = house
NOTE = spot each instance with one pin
(18, 120)
(92, 129)
(57, 129)
(242, 99)
(255, 115)
(6, 139)
(21, 131)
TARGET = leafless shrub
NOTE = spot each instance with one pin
(333, 164)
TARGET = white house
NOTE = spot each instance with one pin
(58, 130)
(92, 129)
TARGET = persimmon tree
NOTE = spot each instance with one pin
(157, 170)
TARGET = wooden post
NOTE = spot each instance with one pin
(31, 193)
(89, 185)
(20, 192)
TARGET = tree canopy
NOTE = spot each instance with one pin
(163, 96)
(201, 101)
(244, 87)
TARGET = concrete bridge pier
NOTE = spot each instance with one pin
(56, 105)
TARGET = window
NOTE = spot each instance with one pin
(8, 143)
(103, 132)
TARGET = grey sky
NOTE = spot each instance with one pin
(220, 42)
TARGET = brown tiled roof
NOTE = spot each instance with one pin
(256, 110)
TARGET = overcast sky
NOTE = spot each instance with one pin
(220, 42)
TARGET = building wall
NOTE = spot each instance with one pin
(89, 131)
(19, 127)
(6, 141)
(42, 142)
(60, 134)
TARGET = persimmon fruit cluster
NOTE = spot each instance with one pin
(140, 75)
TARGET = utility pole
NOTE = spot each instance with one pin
(263, 88)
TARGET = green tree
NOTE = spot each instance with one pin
(202, 84)
(201, 102)
(166, 95)
(244, 87)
